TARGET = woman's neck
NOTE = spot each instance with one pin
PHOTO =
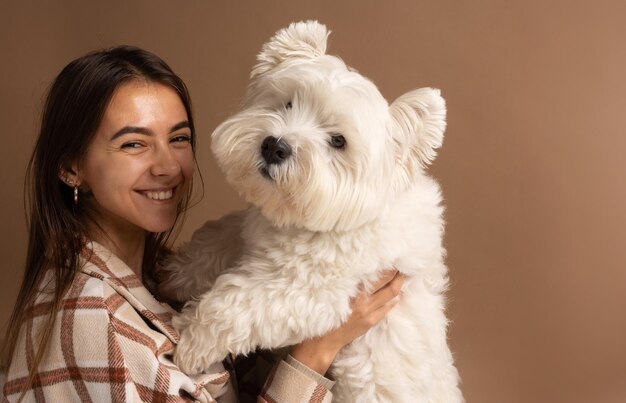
(128, 246)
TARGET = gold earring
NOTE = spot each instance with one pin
(76, 195)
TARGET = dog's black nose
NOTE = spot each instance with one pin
(275, 151)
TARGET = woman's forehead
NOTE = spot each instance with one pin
(144, 104)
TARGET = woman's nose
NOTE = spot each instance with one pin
(165, 163)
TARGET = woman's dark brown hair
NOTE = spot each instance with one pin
(73, 111)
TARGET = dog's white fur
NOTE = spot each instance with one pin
(323, 222)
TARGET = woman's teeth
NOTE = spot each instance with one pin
(165, 195)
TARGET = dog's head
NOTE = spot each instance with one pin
(315, 144)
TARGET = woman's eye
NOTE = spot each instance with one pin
(288, 105)
(181, 139)
(337, 141)
(132, 144)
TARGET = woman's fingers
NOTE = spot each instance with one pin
(384, 279)
(389, 287)
(380, 313)
(387, 293)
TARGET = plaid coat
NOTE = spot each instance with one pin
(112, 341)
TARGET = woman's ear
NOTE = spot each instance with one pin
(69, 175)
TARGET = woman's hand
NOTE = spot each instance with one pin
(367, 311)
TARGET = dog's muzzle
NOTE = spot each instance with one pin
(275, 151)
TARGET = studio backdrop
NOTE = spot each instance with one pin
(532, 166)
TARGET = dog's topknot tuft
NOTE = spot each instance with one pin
(301, 40)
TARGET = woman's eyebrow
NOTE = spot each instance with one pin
(131, 129)
(146, 131)
(180, 125)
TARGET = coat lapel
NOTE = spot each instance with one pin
(100, 262)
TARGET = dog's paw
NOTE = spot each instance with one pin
(195, 351)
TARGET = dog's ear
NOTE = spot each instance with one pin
(419, 120)
(301, 40)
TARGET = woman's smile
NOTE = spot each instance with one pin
(158, 195)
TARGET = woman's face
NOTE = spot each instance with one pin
(140, 162)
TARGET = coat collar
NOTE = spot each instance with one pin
(98, 261)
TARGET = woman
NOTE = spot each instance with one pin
(109, 178)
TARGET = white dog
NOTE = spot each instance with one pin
(336, 179)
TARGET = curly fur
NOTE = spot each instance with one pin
(321, 223)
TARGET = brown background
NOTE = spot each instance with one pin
(532, 166)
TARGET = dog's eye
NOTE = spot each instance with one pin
(288, 105)
(337, 141)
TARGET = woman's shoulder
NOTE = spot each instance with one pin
(98, 331)
(79, 334)
(84, 291)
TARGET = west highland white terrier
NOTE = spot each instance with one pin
(336, 178)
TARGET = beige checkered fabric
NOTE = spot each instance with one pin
(112, 342)
(279, 386)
